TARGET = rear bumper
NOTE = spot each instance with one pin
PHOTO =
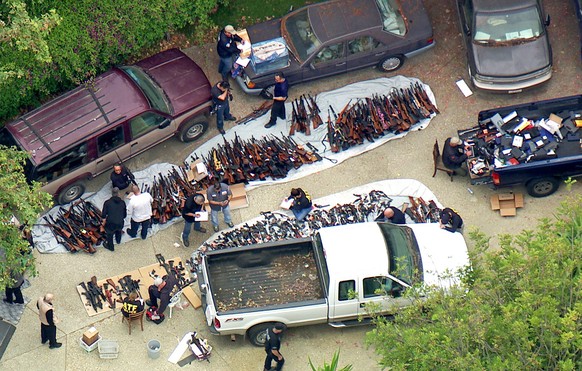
(419, 51)
(241, 82)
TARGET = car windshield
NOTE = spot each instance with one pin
(301, 38)
(151, 90)
(402, 252)
(508, 27)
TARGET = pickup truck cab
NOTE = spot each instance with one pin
(536, 144)
(331, 277)
(110, 119)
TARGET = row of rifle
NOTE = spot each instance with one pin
(98, 295)
(77, 228)
(422, 211)
(371, 118)
(305, 114)
(241, 161)
(176, 270)
(169, 193)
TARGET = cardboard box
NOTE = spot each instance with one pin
(90, 336)
(197, 171)
(507, 203)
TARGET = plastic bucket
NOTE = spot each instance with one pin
(154, 348)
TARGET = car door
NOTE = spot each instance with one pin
(112, 147)
(326, 61)
(363, 51)
(345, 301)
(465, 9)
(147, 130)
(382, 294)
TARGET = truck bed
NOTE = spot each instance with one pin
(270, 276)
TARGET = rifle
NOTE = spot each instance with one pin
(109, 296)
(294, 119)
(90, 295)
(315, 111)
(331, 132)
(304, 117)
(257, 112)
(423, 96)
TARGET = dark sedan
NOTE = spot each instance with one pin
(578, 5)
(507, 43)
(334, 37)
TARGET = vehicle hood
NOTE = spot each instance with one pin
(265, 31)
(183, 81)
(442, 253)
(512, 60)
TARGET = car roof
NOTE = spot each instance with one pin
(77, 114)
(501, 5)
(336, 19)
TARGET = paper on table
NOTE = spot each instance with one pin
(464, 88)
(242, 61)
(201, 168)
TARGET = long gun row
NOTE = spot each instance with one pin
(305, 114)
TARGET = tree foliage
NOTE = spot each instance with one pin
(47, 46)
(333, 366)
(520, 308)
(22, 201)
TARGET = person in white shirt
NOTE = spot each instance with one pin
(140, 210)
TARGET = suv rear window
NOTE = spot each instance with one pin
(392, 19)
(62, 164)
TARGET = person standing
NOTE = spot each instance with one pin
(280, 95)
(191, 211)
(394, 215)
(140, 210)
(48, 320)
(450, 220)
(13, 293)
(273, 347)
(121, 177)
(114, 213)
(161, 289)
(226, 49)
(221, 97)
(455, 153)
(219, 196)
(301, 203)
(132, 304)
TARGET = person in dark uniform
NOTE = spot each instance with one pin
(273, 347)
(221, 96)
(450, 220)
(455, 153)
(114, 213)
(394, 215)
(226, 49)
(194, 204)
(301, 203)
(48, 320)
(13, 293)
(121, 177)
(161, 289)
(280, 95)
(132, 304)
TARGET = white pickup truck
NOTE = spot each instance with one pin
(328, 278)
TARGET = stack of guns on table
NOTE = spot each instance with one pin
(368, 118)
(511, 140)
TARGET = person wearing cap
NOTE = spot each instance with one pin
(191, 211)
(221, 97)
(226, 48)
(161, 289)
(455, 153)
(114, 213)
(394, 215)
(273, 347)
(450, 220)
(48, 320)
(280, 94)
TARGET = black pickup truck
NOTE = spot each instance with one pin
(537, 144)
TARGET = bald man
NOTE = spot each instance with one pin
(394, 215)
(48, 328)
(140, 211)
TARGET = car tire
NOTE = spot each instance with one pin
(542, 187)
(267, 92)
(258, 334)
(70, 193)
(391, 63)
(193, 129)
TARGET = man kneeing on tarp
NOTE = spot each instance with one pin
(161, 289)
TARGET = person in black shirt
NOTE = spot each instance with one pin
(455, 153)
(114, 213)
(194, 204)
(394, 215)
(121, 177)
(301, 203)
(450, 220)
(273, 347)
(279, 97)
(132, 305)
(221, 96)
(226, 49)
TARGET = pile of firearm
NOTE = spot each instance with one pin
(241, 161)
(78, 228)
(371, 118)
(97, 295)
(178, 271)
(276, 226)
(305, 113)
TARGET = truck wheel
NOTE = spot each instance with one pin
(70, 193)
(193, 129)
(267, 92)
(542, 187)
(258, 333)
(391, 63)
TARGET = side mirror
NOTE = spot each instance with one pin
(164, 124)
(547, 20)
